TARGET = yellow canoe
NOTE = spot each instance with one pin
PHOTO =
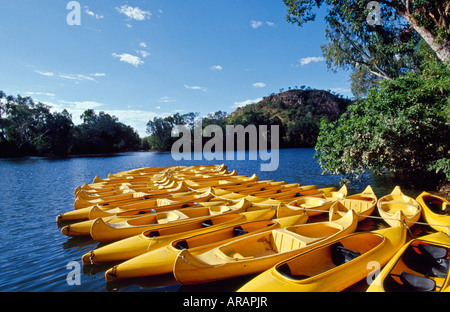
(153, 239)
(420, 265)
(161, 260)
(436, 211)
(258, 252)
(363, 204)
(83, 228)
(397, 208)
(313, 204)
(133, 196)
(331, 267)
(101, 210)
(102, 231)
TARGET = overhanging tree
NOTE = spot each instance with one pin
(377, 52)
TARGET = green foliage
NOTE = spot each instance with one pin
(442, 166)
(374, 52)
(297, 112)
(403, 127)
(160, 130)
(28, 128)
(103, 133)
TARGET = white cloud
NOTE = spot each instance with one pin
(247, 102)
(130, 59)
(40, 93)
(195, 88)
(259, 85)
(166, 99)
(81, 105)
(256, 24)
(77, 77)
(144, 54)
(143, 44)
(158, 107)
(134, 13)
(90, 13)
(48, 74)
(216, 67)
(137, 119)
(306, 60)
(98, 74)
(339, 89)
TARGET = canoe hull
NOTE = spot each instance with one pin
(315, 271)
(225, 262)
(435, 217)
(397, 208)
(390, 278)
(161, 260)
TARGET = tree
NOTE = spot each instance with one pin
(401, 127)
(160, 129)
(378, 51)
(103, 133)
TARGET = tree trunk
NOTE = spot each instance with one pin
(442, 49)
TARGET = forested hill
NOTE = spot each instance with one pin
(298, 112)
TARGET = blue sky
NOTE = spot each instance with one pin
(141, 59)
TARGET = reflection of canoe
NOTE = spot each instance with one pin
(152, 239)
(420, 265)
(161, 260)
(313, 204)
(331, 267)
(397, 207)
(436, 211)
(108, 231)
(258, 252)
(363, 204)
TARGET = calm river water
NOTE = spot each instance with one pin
(33, 191)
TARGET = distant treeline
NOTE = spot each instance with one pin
(31, 129)
(297, 112)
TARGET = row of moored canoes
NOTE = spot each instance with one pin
(206, 224)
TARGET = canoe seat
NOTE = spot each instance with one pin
(153, 234)
(414, 282)
(207, 223)
(183, 244)
(286, 271)
(427, 259)
(341, 255)
(238, 231)
(241, 257)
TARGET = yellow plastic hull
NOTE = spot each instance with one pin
(102, 231)
(397, 208)
(161, 260)
(389, 279)
(312, 205)
(258, 252)
(146, 241)
(435, 217)
(316, 271)
(363, 204)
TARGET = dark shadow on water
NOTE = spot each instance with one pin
(227, 285)
(159, 283)
(79, 241)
